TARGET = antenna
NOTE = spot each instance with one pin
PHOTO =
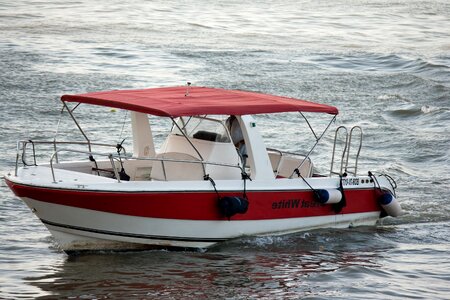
(187, 89)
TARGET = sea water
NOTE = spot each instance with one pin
(384, 64)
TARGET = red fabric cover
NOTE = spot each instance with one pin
(172, 102)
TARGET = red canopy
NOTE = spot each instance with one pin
(172, 102)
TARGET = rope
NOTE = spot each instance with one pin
(207, 177)
(336, 206)
(122, 174)
(245, 177)
(123, 125)
(343, 203)
(391, 182)
(376, 184)
(34, 156)
(91, 158)
(297, 172)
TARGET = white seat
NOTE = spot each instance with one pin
(275, 160)
(169, 170)
(211, 151)
(138, 169)
(287, 165)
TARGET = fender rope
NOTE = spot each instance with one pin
(91, 158)
(336, 206)
(34, 156)
(122, 174)
(245, 177)
(343, 203)
(207, 177)
(375, 181)
(296, 171)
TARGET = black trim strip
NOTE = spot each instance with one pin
(133, 235)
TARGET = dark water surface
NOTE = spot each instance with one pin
(384, 64)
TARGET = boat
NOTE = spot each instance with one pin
(211, 178)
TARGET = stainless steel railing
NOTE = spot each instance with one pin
(345, 165)
(113, 157)
(21, 149)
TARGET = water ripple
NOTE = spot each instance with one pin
(385, 65)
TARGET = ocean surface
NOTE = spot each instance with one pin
(384, 64)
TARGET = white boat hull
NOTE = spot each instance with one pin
(108, 215)
(109, 231)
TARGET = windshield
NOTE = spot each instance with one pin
(202, 128)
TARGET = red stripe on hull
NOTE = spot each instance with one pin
(199, 205)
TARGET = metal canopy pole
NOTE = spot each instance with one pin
(187, 138)
(315, 144)
(310, 127)
(76, 123)
(56, 133)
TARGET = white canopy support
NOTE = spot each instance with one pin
(260, 166)
(142, 135)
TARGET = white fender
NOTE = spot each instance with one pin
(329, 196)
(390, 205)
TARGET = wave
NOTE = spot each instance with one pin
(194, 24)
(415, 110)
(380, 63)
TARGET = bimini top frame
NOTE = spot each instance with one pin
(191, 101)
(180, 101)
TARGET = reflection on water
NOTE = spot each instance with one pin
(290, 266)
(320, 264)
